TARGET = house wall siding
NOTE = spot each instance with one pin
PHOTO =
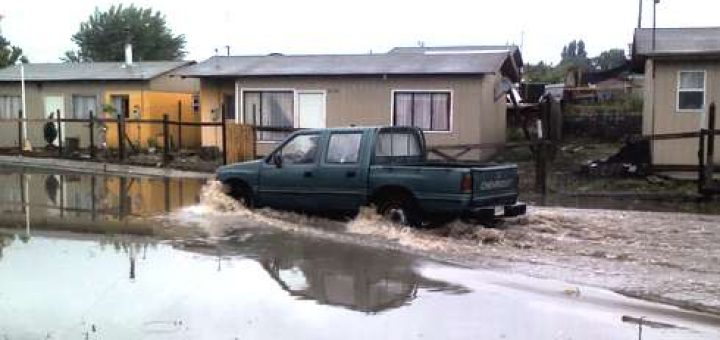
(367, 101)
(662, 94)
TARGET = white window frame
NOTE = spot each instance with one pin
(240, 103)
(678, 90)
(452, 98)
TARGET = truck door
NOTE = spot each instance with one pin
(342, 176)
(287, 176)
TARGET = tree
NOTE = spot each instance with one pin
(609, 59)
(10, 54)
(104, 35)
(574, 55)
(542, 73)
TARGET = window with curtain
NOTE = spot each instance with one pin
(429, 111)
(269, 109)
(10, 107)
(691, 91)
(82, 105)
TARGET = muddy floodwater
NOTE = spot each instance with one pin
(97, 257)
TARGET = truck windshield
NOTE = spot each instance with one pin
(394, 146)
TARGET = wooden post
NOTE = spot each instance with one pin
(180, 127)
(20, 132)
(166, 140)
(224, 140)
(91, 126)
(60, 135)
(701, 162)
(121, 137)
(710, 160)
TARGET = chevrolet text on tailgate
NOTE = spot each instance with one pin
(346, 168)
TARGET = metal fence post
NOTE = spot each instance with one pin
(121, 137)
(166, 140)
(60, 135)
(91, 125)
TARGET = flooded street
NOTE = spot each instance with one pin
(96, 257)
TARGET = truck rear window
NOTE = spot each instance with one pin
(397, 147)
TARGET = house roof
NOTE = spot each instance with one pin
(677, 41)
(359, 64)
(144, 70)
(466, 49)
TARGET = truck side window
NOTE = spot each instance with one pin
(344, 148)
(302, 149)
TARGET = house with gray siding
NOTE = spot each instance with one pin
(455, 94)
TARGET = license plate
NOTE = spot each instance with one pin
(499, 211)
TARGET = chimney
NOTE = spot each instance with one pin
(128, 54)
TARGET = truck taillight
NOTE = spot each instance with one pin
(466, 184)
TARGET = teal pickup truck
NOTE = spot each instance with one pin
(344, 169)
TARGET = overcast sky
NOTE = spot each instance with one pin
(44, 28)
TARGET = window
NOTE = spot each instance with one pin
(10, 107)
(269, 109)
(121, 104)
(344, 148)
(691, 91)
(228, 106)
(397, 144)
(302, 149)
(83, 105)
(429, 111)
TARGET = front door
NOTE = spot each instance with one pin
(55, 107)
(311, 110)
(286, 177)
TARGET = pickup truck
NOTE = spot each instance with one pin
(343, 169)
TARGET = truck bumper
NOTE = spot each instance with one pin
(514, 210)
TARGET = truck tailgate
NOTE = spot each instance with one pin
(496, 185)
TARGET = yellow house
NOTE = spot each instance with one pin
(130, 91)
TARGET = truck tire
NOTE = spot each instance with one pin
(240, 192)
(400, 209)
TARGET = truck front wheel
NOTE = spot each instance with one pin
(240, 192)
(400, 209)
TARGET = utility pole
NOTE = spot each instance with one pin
(654, 34)
(640, 13)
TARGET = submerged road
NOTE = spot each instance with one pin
(69, 269)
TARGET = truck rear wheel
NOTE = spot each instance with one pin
(400, 209)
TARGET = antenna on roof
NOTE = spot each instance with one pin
(227, 47)
(421, 43)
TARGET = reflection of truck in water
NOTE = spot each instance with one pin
(345, 168)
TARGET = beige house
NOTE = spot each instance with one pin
(682, 79)
(456, 94)
(139, 90)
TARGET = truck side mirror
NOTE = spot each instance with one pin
(277, 159)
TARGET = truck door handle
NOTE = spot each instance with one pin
(351, 174)
(307, 174)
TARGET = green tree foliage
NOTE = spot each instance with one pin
(543, 73)
(574, 54)
(10, 54)
(609, 60)
(104, 35)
